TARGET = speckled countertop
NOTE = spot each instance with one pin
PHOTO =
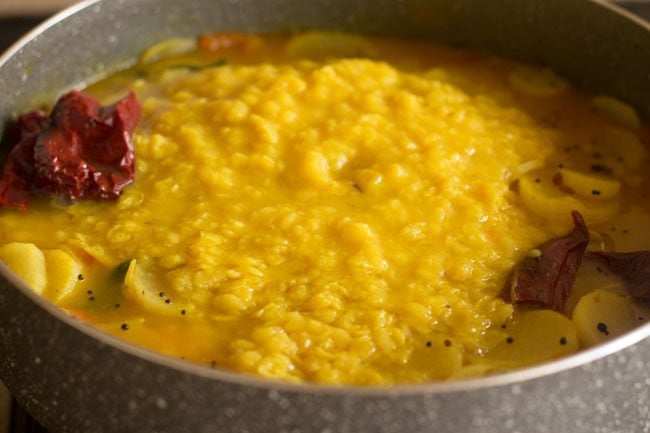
(12, 27)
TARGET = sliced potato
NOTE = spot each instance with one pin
(474, 370)
(602, 315)
(537, 81)
(588, 185)
(439, 357)
(590, 275)
(320, 44)
(167, 48)
(147, 291)
(27, 262)
(62, 274)
(546, 201)
(534, 336)
(624, 145)
(616, 110)
(444, 357)
(528, 166)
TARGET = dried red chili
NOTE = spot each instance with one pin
(547, 279)
(81, 151)
(18, 171)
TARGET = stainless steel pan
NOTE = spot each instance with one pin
(74, 378)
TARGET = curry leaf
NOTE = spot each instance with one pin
(119, 272)
(200, 67)
(632, 268)
(546, 276)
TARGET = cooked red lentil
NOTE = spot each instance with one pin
(336, 209)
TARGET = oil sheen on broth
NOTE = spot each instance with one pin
(337, 209)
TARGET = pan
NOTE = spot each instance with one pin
(74, 378)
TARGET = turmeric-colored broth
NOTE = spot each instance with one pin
(336, 209)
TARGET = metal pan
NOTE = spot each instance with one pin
(74, 378)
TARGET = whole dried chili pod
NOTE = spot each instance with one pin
(546, 277)
(81, 151)
(18, 172)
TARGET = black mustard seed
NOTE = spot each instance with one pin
(602, 328)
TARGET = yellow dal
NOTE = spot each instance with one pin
(337, 221)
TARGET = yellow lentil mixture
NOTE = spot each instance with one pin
(336, 209)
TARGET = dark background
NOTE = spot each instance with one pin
(13, 28)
